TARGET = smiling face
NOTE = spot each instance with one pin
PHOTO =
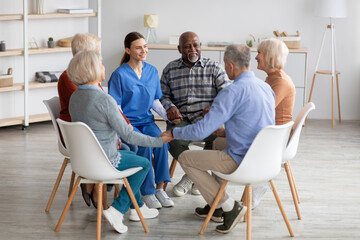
(138, 50)
(190, 48)
(260, 58)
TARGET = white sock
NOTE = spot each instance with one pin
(159, 190)
(228, 205)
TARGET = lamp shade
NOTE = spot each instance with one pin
(151, 20)
(331, 8)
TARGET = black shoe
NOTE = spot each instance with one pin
(203, 212)
(85, 194)
(232, 218)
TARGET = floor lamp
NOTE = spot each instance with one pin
(151, 22)
(330, 9)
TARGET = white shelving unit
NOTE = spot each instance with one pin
(26, 85)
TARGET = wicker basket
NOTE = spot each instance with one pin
(6, 80)
(291, 41)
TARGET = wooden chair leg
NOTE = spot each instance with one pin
(338, 95)
(99, 209)
(248, 213)
(293, 180)
(72, 179)
(293, 193)
(213, 206)
(244, 199)
(105, 197)
(116, 191)
(68, 203)
(56, 186)
(171, 170)
(281, 208)
(134, 202)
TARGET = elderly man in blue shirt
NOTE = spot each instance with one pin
(245, 107)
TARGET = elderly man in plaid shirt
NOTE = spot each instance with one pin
(189, 85)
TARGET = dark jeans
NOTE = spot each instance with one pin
(179, 146)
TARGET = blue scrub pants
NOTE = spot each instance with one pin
(130, 160)
(161, 164)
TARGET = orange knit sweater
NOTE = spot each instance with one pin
(284, 90)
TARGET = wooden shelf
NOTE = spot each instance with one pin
(165, 46)
(49, 50)
(61, 15)
(32, 85)
(20, 120)
(9, 17)
(12, 52)
(33, 51)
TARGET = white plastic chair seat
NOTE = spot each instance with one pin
(261, 163)
(90, 163)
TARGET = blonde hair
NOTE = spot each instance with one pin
(84, 42)
(84, 67)
(275, 52)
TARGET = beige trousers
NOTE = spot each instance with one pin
(196, 164)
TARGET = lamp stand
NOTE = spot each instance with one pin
(331, 72)
(151, 31)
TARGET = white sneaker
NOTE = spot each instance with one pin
(258, 193)
(182, 187)
(151, 201)
(164, 198)
(115, 219)
(195, 190)
(147, 213)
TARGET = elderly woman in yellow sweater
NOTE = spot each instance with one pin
(271, 58)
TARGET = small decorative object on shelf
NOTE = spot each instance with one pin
(251, 42)
(2, 46)
(51, 42)
(6, 80)
(33, 44)
(40, 6)
(291, 41)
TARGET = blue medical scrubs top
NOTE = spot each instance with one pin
(134, 95)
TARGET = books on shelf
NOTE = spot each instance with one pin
(75, 10)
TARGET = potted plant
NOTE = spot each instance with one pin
(51, 42)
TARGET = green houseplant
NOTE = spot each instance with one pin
(51, 42)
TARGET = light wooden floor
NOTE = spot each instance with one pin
(327, 172)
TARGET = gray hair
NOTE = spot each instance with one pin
(239, 55)
(84, 42)
(84, 67)
(275, 52)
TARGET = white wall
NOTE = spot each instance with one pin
(234, 20)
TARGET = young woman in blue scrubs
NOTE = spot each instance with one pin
(135, 85)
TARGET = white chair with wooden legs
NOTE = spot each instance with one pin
(53, 106)
(90, 163)
(291, 150)
(261, 164)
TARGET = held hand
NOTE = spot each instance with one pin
(176, 121)
(220, 132)
(174, 113)
(205, 111)
(166, 136)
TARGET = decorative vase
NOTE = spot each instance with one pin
(51, 44)
(40, 6)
